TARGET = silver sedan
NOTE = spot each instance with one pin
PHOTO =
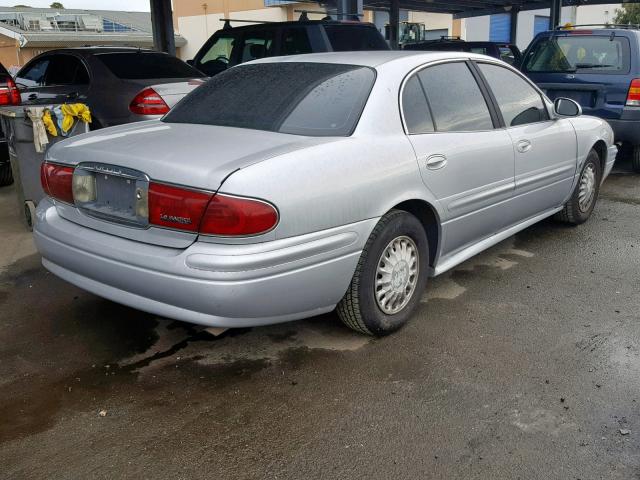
(293, 186)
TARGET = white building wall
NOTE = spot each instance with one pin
(477, 28)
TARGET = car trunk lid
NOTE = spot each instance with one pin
(121, 162)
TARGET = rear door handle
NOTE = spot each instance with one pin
(436, 162)
(524, 146)
(32, 96)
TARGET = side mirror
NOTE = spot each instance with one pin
(565, 107)
(190, 62)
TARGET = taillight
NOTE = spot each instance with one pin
(633, 97)
(148, 102)
(176, 207)
(9, 93)
(230, 216)
(57, 181)
(194, 211)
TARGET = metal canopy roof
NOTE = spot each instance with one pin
(474, 8)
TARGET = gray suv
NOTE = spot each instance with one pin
(234, 45)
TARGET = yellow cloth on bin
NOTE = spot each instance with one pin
(71, 111)
(49, 124)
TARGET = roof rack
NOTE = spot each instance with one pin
(605, 25)
(449, 37)
(304, 14)
(227, 22)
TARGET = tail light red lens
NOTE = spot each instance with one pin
(231, 216)
(633, 97)
(175, 207)
(148, 102)
(9, 93)
(194, 211)
(57, 181)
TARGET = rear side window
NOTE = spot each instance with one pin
(295, 41)
(579, 53)
(456, 101)
(518, 101)
(141, 65)
(349, 38)
(415, 109)
(66, 70)
(318, 100)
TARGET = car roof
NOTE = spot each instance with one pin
(292, 23)
(593, 30)
(373, 58)
(90, 50)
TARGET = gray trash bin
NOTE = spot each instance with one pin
(25, 160)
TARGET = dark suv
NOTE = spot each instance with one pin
(504, 51)
(597, 67)
(234, 45)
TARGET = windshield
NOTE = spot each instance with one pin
(579, 53)
(315, 99)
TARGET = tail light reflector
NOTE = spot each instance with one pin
(57, 181)
(148, 102)
(231, 216)
(633, 97)
(194, 211)
(175, 207)
(9, 93)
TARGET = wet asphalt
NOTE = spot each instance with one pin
(522, 363)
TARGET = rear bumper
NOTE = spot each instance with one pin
(209, 284)
(627, 131)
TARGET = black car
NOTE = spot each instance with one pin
(115, 82)
(504, 51)
(9, 95)
(234, 45)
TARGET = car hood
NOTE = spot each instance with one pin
(199, 156)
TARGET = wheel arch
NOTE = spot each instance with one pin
(430, 220)
(601, 149)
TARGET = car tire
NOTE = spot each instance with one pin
(635, 158)
(369, 306)
(6, 177)
(585, 194)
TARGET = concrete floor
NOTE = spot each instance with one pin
(522, 363)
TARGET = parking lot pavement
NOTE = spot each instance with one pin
(521, 363)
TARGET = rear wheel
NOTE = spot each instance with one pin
(583, 199)
(390, 277)
(6, 177)
(635, 158)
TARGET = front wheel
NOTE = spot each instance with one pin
(583, 199)
(390, 277)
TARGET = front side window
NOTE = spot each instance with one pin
(456, 101)
(33, 76)
(518, 101)
(256, 45)
(579, 53)
(315, 99)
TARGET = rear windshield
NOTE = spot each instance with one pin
(349, 38)
(142, 65)
(315, 99)
(579, 53)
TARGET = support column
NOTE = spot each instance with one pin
(349, 10)
(513, 35)
(162, 24)
(555, 14)
(394, 23)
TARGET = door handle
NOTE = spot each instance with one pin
(32, 96)
(524, 146)
(436, 162)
